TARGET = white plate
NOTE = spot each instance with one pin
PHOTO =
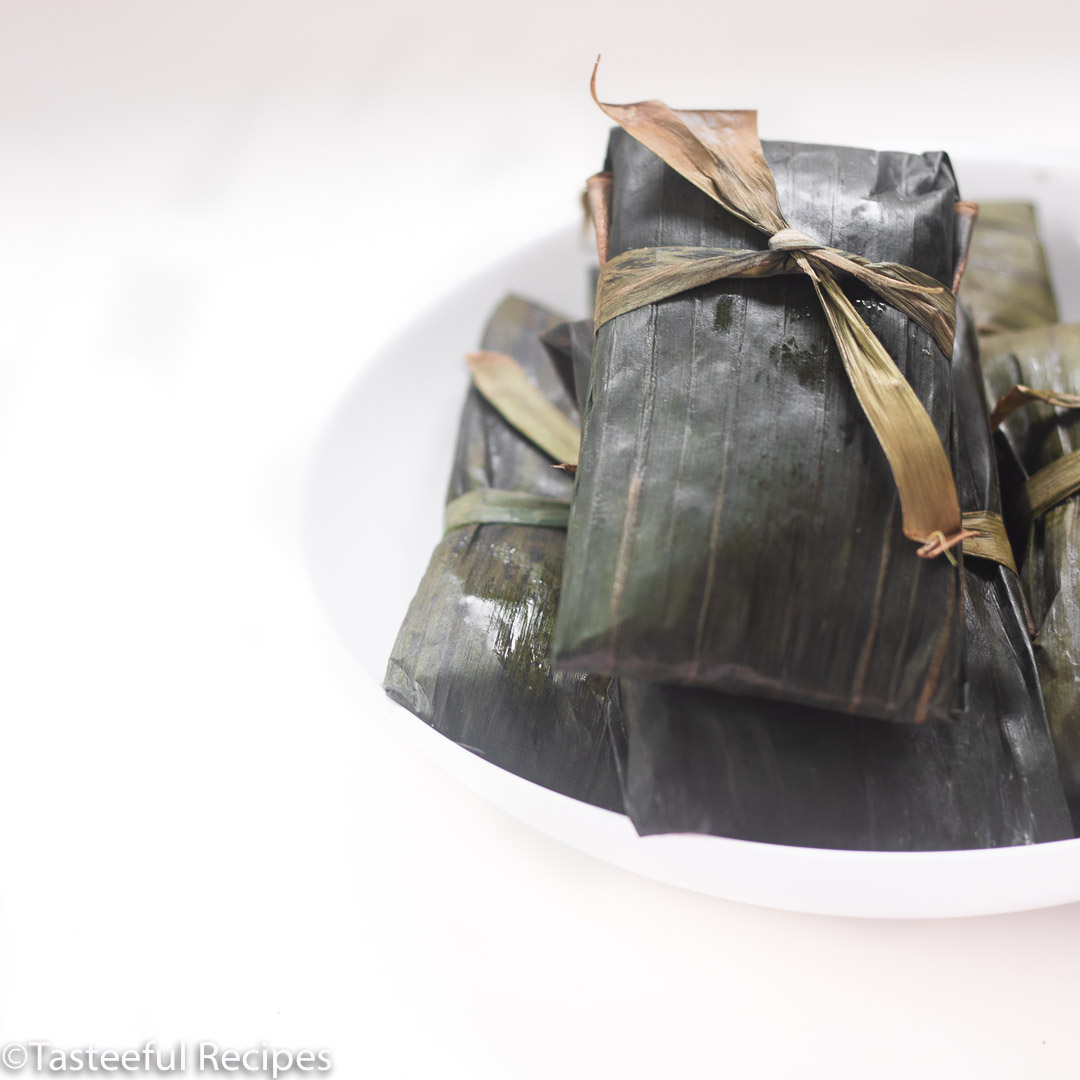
(373, 516)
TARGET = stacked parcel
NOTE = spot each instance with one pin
(1032, 369)
(786, 564)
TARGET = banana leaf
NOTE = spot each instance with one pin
(1006, 284)
(473, 656)
(735, 523)
(1039, 436)
(570, 347)
(693, 760)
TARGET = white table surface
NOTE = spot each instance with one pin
(208, 214)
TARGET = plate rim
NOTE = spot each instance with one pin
(869, 884)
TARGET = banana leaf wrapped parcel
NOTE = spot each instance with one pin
(472, 658)
(1045, 440)
(736, 525)
(1008, 287)
(694, 760)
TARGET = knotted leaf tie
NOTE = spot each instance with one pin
(720, 153)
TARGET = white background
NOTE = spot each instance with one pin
(211, 215)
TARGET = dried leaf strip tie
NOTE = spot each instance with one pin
(988, 539)
(724, 159)
(1056, 482)
(491, 506)
(505, 385)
